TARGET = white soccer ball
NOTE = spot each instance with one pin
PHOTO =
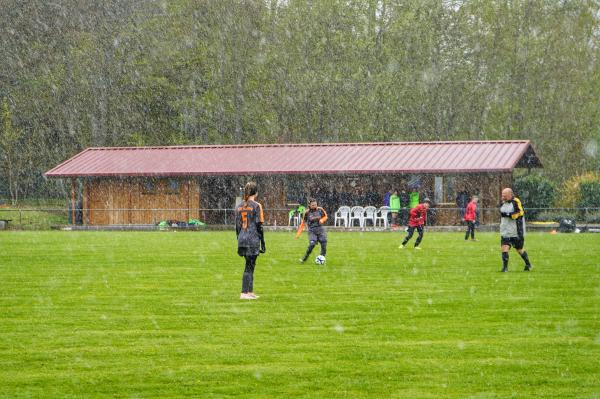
(320, 260)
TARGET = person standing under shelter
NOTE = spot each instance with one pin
(414, 198)
(386, 198)
(394, 208)
(462, 199)
(249, 219)
(471, 217)
(512, 228)
(404, 202)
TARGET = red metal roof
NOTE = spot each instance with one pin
(265, 159)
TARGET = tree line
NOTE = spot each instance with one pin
(122, 73)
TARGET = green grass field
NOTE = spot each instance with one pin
(146, 315)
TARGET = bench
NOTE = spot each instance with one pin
(4, 223)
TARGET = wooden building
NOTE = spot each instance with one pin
(144, 185)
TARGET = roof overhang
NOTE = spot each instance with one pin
(293, 159)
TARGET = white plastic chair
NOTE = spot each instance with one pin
(295, 219)
(357, 213)
(383, 216)
(342, 215)
(370, 215)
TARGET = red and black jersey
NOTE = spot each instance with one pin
(471, 212)
(418, 216)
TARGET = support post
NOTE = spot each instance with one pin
(73, 201)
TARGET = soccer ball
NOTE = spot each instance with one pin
(320, 260)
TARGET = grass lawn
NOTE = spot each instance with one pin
(157, 314)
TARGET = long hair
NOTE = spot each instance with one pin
(249, 190)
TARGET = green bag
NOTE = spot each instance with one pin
(196, 222)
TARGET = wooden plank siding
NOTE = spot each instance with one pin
(110, 201)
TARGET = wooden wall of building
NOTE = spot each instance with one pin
(108, 201)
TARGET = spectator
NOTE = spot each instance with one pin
(404, 203)
(372, 198)
(386, 198)
(414, 198)
(346, 198)
(462, 199)
(394, 208)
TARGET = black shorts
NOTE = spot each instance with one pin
(248, 251)
(516, 242)
(318, 236)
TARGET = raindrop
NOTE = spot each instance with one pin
(393, 66)
(591, 148)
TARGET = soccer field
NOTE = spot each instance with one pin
(157, 314)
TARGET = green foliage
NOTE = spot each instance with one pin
(592, 217)
(11, 156)
(569, 195)
(534, 192)
(590, 194)
(214, 72)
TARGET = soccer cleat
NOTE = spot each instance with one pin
(401, 246)
(253, 295)
(301, 261)
(419, 248)
(504, 269)
(247, 296)
(528, 268)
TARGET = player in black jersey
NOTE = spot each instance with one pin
(249, 219)
(314, 217)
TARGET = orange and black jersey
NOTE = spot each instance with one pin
(249, 218)
(314, 218)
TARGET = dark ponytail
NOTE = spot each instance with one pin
(249, 190)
